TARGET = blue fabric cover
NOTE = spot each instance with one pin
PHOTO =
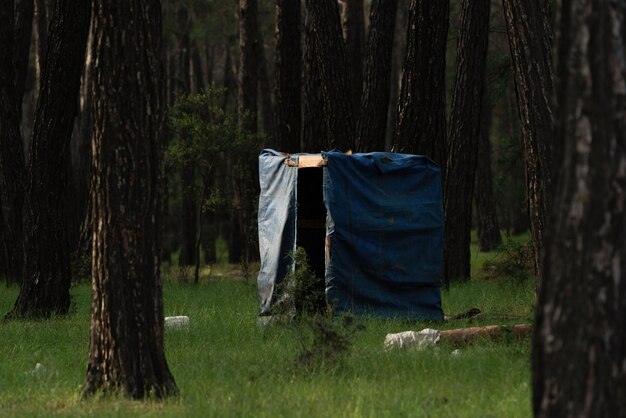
(384, 234)
(384, 228)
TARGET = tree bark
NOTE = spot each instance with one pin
(579, 342)
(314, 126)
(12, 167)
(421, 116)
(24, 11)
(189, 204)
(288, 93)
(469, 82)
(374, 103)
(126, 337)
(487, 225)
(353, 22)
(530, 35)
(397, 57)
(45, 287)
(41, 40)
(265, 92)
(331, 62)
(248, 72)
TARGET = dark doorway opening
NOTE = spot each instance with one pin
(311, 234)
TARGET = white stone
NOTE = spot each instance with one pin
(177, 322)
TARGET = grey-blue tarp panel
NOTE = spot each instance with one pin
(385, 234)
(277, 223)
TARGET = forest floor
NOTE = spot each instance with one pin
(225, 365)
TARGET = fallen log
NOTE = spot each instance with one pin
(457, 337)
(463, 336)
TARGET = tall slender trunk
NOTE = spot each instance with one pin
(530, 36)
(372, 121)
(314, 129)
(288, 93)
(487, 225)
(248, 60)
(464, 136)
(126, 350)
(421, 115)
(12, 167)
(24, 12)
(331, 61)
(353, 22)
(397, 56)
(45, 287)
(265, 92)
(189, 204)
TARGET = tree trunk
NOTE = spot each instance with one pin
(374, 103)
(189, 205)
(421, 116)
(81, 156)
(397, 57)
(579, 342)
(530, 34)
(41, 40)
(353, 22)
(330, 59)
(126, 337)
(288, 93)
(189, 210)
(469, 82)
(248, 57)
(487, 225)
(265, 92)
(12, 169)
(314, 129)
(24, 11)
(45, 287)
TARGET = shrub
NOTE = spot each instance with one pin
(513, 260)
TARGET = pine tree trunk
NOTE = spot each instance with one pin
(487, 225)
(469, 82)
(579, 341)
(189, 210)
(353, 22)
(24, 11)
(397, 57)
(248, 72)
(126, 337)
(288, 75)
(530, 35)
(41, 40)
(331, 62)
(189, 204)
(314, 127)
(421, 116)
(12, 167)
(45, 287)
(265, 92)
(374, 103)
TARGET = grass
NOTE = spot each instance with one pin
(226, 366)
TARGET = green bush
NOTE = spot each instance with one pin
(513, 260)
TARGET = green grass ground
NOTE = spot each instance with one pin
(226, 366)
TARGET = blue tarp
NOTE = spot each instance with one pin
(384, 228)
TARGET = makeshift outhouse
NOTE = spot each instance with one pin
(371, 224)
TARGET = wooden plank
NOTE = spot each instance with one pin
(307, 161)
